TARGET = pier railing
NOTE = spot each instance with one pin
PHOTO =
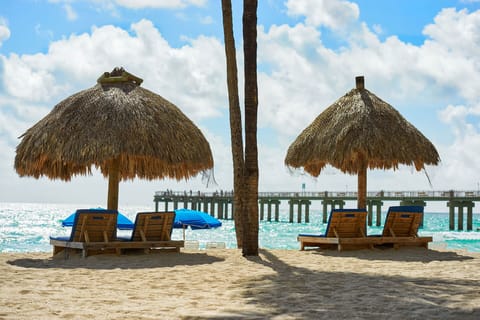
(347, 195)
(220, 203)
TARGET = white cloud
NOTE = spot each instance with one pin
(71, 14)
(451, 56)
(378, 29)
(189, 76)
(457, 32)
(24, 78)
(44, 33)
(4, 31)
(460, 166)
(332, 14)
(16, 115)
(206, 20)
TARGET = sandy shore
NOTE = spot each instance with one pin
(410, 283)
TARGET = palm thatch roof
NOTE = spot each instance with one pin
(150, 135)
(115, 125)
(360, 131)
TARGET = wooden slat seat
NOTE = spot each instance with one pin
(401, 227)
(346, 229)
(93, 229)
(152, 230)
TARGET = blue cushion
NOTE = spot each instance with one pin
(312, 235)
(406, 209)
(64, 238)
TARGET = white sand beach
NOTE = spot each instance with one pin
(409, 283)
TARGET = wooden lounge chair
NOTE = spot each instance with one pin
(346, 228)
(152, 230)
(401, 227)
(93, 230)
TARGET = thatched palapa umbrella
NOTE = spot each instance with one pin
(119, 127)
(357, 132)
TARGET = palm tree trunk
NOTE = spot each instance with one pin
(251, 224)
(235, 121)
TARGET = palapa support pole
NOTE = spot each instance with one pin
(362, 187)
(113, 182)
(362, 171)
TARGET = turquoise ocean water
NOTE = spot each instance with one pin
(26, 227)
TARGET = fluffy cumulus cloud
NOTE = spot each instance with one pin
(454, 48)
(186, 75)
(462, 154)
(457, 44)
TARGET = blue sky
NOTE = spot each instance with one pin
(420, 56)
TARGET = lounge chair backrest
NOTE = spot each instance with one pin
(153, 226)
(403, 221)
(347, 223)
(94, 225)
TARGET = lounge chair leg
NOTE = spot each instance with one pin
(65, 253)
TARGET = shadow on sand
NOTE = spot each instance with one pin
(403, 254)
(294, 292)
(112, 261)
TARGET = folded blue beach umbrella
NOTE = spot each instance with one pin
(195, 219)
(123, 223)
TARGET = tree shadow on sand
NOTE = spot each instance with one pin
(406, 254)
(294, 292)
(112, 261)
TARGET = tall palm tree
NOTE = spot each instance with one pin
(245, 165)
(250, 239)
(235, 120)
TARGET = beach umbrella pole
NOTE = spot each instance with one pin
(113, 182)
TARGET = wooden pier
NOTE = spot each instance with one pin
(220, 204)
